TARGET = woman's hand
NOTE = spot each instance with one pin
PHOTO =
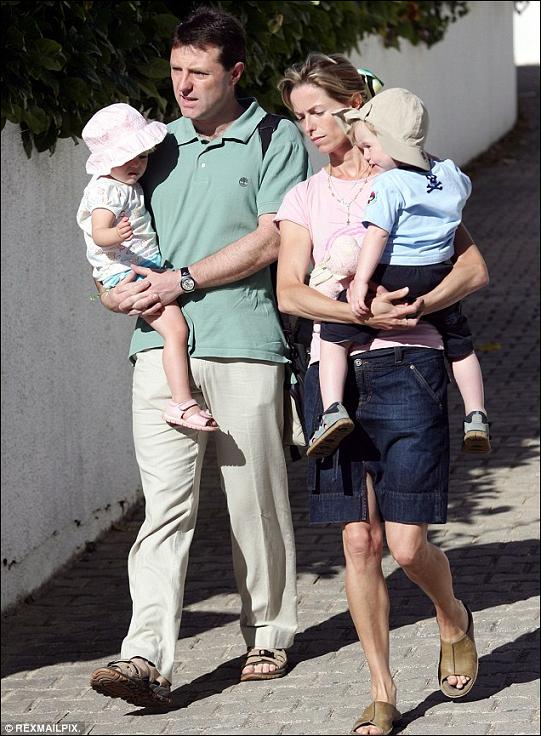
(389, 312)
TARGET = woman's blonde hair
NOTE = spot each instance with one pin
(333, 73)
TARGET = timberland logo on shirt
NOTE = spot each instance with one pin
(243, 181)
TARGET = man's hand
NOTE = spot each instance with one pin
(131, 297)
(164, 284)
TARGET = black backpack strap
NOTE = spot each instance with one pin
(266, 128)
(297, 353)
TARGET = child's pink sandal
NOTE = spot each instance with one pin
(201, 420)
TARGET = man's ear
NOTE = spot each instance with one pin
(236, 72)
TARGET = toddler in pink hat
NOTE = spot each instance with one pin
(118, 232)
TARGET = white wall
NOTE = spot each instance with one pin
(467, 80)
(68, 469)
(526, 34)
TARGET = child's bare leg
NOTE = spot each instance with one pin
(334, 423)
(171, 325)
(183, 409)
(333, 368)
(469, 379)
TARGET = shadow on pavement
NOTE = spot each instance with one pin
(503, 667)
(46, 633)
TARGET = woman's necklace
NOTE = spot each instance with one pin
(344, 202)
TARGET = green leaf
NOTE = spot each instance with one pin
(36, 119)
(14, 113)
(128, 37)
(150, 89)
(47, 47)
(14, 39)
(119, 51)
(76, 90)
(27, 141)
(164, 24)
(274, 24)
(155, 69)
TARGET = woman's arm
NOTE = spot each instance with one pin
(469, 274)
(295, 297)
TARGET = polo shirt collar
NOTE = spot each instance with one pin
(240, 129)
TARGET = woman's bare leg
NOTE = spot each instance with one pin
(368, 600)
(428, 567)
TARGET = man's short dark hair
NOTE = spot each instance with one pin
(212, 27)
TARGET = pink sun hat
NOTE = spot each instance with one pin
(116, 134)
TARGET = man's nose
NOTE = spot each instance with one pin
(185, 84)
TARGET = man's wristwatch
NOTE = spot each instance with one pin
(187, 281)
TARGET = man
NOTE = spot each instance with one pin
(213, 196)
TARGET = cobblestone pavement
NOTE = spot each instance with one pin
(77, 622)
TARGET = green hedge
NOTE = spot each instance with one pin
(65, 60)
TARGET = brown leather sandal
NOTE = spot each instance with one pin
(135, 680)
(255, 656)
(379, 714)
(459, 658)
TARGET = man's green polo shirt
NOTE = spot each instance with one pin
(205, 195)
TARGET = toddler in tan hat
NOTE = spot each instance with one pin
(118, 232)
(413, 211)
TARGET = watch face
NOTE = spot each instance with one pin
(187, 283)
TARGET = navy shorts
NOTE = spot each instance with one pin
(450, 322)
(398, 397)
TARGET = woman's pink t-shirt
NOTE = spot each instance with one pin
(312, 205)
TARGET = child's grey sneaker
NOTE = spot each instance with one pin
(335, 423)
(476, 434)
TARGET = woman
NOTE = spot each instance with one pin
(390, 476)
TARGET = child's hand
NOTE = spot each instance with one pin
(124, 229)
(357, 298)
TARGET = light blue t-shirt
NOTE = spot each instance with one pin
(420, 210)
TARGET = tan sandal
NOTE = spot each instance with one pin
(459, 658)
(255, 656)
(135, 680)
(379, 714)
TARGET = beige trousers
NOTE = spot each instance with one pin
(245, 397)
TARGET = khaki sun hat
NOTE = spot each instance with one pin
(116, 134)
(399, 119)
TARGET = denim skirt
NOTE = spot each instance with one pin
(398, 398)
